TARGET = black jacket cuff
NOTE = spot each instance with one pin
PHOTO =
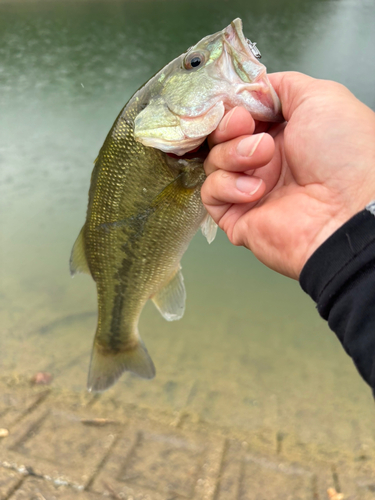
(340, 278)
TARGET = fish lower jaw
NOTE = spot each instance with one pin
(259, 101)
(251, 87)
(178, 148)
(198, 154)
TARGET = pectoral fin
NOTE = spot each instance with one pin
(209, 228)
(78, 262)
(170, 300)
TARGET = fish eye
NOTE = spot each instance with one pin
(194, 60)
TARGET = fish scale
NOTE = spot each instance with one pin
(130, 259)
(144, 199)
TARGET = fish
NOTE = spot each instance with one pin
(144, 202)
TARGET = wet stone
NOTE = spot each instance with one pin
(159, 460)
(163, 462)
(357, 483)
(230, 471)
(76, 402)
(38, 489)
(321, 481)
(265, 479)
(59, 445)
(9, 481)
(14, 405)
(93, 447)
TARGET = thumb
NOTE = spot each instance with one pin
(291, 87)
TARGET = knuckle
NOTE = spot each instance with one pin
(217, 154)
(224, 174)
(205, 189)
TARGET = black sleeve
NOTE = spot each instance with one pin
(340, 278)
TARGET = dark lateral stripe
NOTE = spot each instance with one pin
(116, 337)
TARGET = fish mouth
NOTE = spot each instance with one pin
(247, 75)
(261, 91)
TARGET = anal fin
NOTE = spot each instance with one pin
(209, 228)
(78, 262)
(170, 300)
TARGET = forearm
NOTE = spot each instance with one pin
(340, 278)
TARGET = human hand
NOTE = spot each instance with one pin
(296, 182)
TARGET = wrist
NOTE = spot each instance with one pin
(334, 226)
(336, 216)
(337, 252)
(322, 236)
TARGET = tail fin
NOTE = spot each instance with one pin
(105, 369)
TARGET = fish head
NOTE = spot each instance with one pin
(188, 97)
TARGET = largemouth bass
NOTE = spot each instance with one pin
(144, 200)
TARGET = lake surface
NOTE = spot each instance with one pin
(251, 351)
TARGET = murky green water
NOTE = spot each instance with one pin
(251, 351)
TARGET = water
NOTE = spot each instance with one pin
(251, 351)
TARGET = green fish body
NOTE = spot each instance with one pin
(144, 200)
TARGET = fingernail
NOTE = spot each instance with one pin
(224, 122)
(248, 146)
(248, 185)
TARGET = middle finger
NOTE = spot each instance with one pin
(241, 154)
